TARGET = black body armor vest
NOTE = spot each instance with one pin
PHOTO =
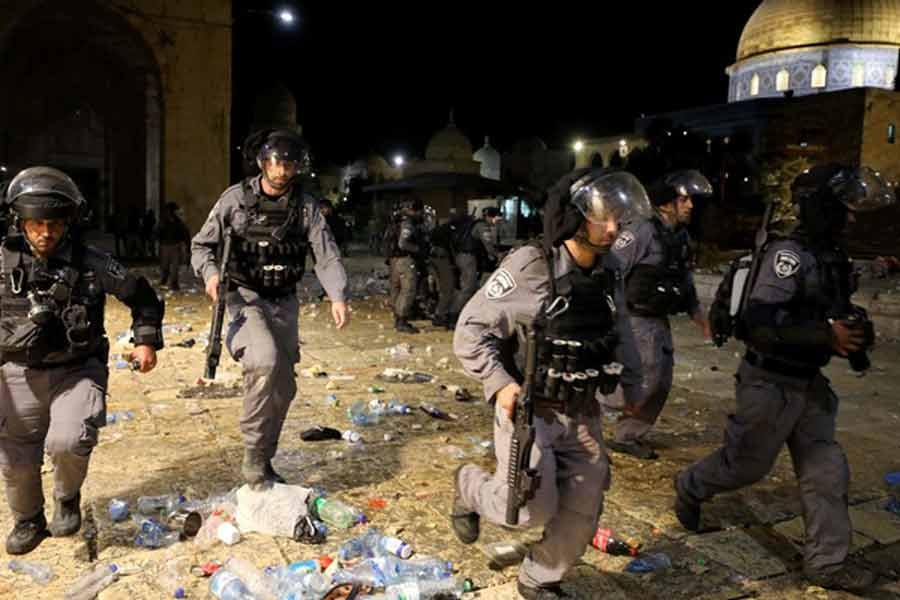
(269, 253)
(659, 290)
(50, 313)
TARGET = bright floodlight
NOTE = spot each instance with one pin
(578, 146)
(286, 16)
(398, 161)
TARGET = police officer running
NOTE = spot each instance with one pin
(573, 285)
(656, 259)
(273, 224)
(408, 249)
(797, 316)
(53, 350)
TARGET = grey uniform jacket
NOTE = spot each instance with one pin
(409, 236)
(638, 245)
(518, 290)
(329, 267)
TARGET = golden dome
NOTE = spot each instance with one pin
(782, 24)
(449, 144)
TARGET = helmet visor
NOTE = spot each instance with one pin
(601, 195)
(689, 183)
(862, 189)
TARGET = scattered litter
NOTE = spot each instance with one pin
(331, 400)
(656, 561)
(403, 350)
(40, 574)
(437, 413)
(318, 434)
(187, 343)
(404, 376)
(115, 417)
(314, 371)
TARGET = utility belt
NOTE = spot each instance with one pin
(780, 367)
(564, 386)
(26, 357)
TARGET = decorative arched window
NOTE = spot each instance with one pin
(754, 85)
(859, 75)
(819, 76)
(783, 81)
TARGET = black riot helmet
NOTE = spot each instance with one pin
(688, 182)
(592, 194)
(44, 193)
(410, 205)
(278, 144)
(825, 194)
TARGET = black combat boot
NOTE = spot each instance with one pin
(544, 592)
(848, 579)
(66, 517)
(404, 326)
(253, 468)
(27, 535)
(272, 475)
(686, 509)
(466, 523)
(635, 448)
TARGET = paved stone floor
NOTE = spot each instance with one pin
(192, 445)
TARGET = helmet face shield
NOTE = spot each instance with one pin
(44, 193)
(861, 190)
(689, 183)
(601, 195)
(287, 149)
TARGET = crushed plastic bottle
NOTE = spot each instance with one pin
(115, 417)
(388, 570)
(118, 510)
(253, 579)
(40, 574)
(331, 400)
(657, 561)
(337, 514)
(92, 582)
(425, 589)
(171, 578)
(149, 505)
(437, 413)
(396, 407)
(228, 586)
(154, 534)
(351, 437)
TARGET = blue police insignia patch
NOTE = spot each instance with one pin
(787, 263)
(500, 284)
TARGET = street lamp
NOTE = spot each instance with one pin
(578, 146)
(286, 16)
(398, 160)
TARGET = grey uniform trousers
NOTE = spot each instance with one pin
(170, 260)
(404, 285)
(446, 280)
(469, 278)
(773, 410)
(60, 409)
(654, 339)
(263, 337)
(574, 469)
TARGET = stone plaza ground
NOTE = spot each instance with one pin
(401, 475)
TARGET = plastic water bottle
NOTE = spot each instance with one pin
(424, 589)
(337, 514)
(424, 568)
(254, 580)
(317, 565)
(360, 416)
(40, 574)
(331, 400)
(170, 580)
(149, 505)
(351, 437)
(92, 583)
(649, 562)
(395, 546)
(228, 586)
(118, 510)
(398, 408)
(154, 535)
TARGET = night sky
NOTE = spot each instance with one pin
(382, 76)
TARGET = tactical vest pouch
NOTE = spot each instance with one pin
(22, 341)
(653, 292)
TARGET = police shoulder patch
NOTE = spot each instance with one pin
(499, 285)
(115, 269)
(625, 239)
(787, 263)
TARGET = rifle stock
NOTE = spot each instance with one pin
(523, 480)
(214, 348)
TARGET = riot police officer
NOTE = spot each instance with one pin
(656, 258)
(474, 253)
(573, 285)
(53, 350)
(406, 253)
(273, 224)
(798, 315)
